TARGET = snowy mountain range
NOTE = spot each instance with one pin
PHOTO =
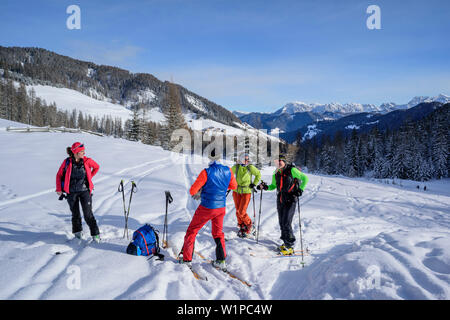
(349, 108)
(295, 115)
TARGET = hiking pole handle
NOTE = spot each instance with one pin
(169, 197)
(133, 187)
(120, 188)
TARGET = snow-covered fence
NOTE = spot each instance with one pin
(50, 129)
(29, 129)
(92, 132)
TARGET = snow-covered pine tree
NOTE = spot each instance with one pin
(440, 146)
(21, 105)
(339, 144)
(132, 128)
(3, 109)
(388, 156)
(174, 114)
(379, 159)
(350, 155)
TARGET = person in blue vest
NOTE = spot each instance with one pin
(211, 187)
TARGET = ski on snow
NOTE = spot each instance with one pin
(229, 273)
(278, 255)
(197, 275)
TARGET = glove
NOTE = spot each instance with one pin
(251, 185)
(262, 186)
(198, 195)
(298, 192)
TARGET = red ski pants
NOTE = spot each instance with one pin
(241, 201)
(201, 217)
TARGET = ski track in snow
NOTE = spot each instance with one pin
(351, 227)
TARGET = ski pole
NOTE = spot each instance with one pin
(120, 189)
(259, 219)
(254, 208)
(169, 199)
(300, 225)
(133, 187)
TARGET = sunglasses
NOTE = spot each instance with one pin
(80, 146)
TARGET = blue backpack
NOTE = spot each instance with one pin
(145, 243)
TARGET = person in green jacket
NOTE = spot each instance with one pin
(290, 183)
(244, 171)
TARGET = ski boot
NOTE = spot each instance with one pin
(246, 231)
(242, 231)
(220, 264)
(96, 238)
(181, 261)
(78, 235)
(286, 251)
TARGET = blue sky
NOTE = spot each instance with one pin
(253, 55)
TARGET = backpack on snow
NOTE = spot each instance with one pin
(145, 242)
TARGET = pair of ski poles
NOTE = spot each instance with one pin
(125, 211)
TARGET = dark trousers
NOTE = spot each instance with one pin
(286, 212)
(74, 199)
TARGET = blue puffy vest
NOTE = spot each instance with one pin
(215, 189)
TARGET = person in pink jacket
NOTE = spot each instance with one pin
(74, 178)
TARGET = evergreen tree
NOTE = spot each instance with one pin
(440, 147)
(379, 159)
(133, 127)
(174, 115)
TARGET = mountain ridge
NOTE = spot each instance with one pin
(38, 66)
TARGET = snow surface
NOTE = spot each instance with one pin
(352, 126)
(68, 99)
(312, 131)
(368, 239)
(195, 103)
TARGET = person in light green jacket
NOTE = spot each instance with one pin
(290, 183)
(244, 171)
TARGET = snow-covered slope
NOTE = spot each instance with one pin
(68, 99)
(367, 240)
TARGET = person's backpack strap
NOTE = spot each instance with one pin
(157, 253)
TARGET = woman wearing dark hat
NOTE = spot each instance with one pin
(74, 178)
(290, 183)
